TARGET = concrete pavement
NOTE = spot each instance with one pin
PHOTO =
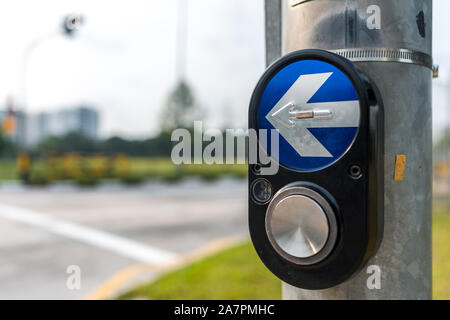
(175, 219)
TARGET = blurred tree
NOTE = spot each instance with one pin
(117, 145)
(181, 109)
(158, 146)
(8, 148)
(2, 142)
(72, 142)
(50, 145)
(443, 144)
(76, 142)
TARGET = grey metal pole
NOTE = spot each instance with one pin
(273, 30)
(391, 41)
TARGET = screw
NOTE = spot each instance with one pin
(257, 168)
(355, 172)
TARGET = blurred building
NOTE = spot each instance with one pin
(31, 129)
(83, 120)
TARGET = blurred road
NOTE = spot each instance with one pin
(45, 230)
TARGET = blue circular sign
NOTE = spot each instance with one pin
(316, 110)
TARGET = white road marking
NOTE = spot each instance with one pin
(101, 239)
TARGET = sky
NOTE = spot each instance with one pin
(441, 56)
(122, 60)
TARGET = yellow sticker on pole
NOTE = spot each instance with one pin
(400, 165)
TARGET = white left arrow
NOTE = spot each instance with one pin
(288, 115)
(293, 115)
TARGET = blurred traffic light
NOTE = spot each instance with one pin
(9, 119)
(9, 124)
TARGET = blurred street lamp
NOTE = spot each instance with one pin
(70, 25)
(181, 40)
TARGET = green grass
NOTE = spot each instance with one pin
(234, 274)
(165, 169)
(8, 170)
(441, 255)
(237, 273)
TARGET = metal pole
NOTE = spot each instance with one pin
(71, 24)
(181, 43)
(403, 75)
(273, 30)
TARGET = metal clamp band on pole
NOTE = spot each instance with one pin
(386, 55)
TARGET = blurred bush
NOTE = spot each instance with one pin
(88, 170)
(85, 161)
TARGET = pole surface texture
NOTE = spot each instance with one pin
(391, 41)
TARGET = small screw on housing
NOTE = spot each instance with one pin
(355, 172)
(257, 169)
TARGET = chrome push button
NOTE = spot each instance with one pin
(301, 225)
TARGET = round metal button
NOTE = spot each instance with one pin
(301, 225)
